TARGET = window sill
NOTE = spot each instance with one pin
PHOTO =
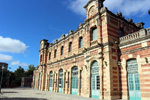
(80, 50)
(94, 42)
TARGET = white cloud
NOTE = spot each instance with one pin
(127, 7)
(77, 6)
(17, 63)
(5, 57)
(12, 45)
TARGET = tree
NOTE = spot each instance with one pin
(30, 70)
(16, 77)
(19, 73)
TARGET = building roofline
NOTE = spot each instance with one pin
(119, 16)
(43, 40)
(3, 63)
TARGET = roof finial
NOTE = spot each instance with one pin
(100, 4)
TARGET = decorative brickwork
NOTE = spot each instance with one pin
(117, 41)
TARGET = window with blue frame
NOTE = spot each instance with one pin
(80, 42)
(94, 34)
(70, 47)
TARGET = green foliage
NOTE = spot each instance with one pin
(15, 77)
(30, 70)
(6, 76)
(19, 73)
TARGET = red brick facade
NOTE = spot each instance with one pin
(109, 49)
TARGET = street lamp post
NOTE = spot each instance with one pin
(1, 78)
(149, 12)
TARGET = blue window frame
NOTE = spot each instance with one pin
(133, 80)
(94, 34)
(80, 42)
(60, 81)
(51, 81)
(75, 80)
(95, 80)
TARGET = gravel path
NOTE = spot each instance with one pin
(31, 94)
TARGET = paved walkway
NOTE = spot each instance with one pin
(31, 94)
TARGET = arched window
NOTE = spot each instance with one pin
(39, 81)
(133, 80)
(51, 81)
(94, 34)
(60, 81)
(70, 47)
(55, 53)
(95, 80)
(121, 32)
(50, 56)
(80, 42)
(75, 80)
(62, 50)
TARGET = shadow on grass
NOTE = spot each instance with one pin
(22, 99)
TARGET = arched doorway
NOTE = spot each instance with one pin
(75, 80)
(51, 81)
(60, 81)
(39, 81)
(95, 80)
(133, 80)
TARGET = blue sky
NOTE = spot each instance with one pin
(23, 23)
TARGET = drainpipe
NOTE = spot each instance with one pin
(100, 5)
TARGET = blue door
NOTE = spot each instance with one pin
(95, 80)
(74, 81)
(60, 81)
(133, 80)
(39, 81)
(51, 81)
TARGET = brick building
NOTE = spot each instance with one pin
(26, 81)
(107, 57)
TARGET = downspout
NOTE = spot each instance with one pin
(100, 5)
